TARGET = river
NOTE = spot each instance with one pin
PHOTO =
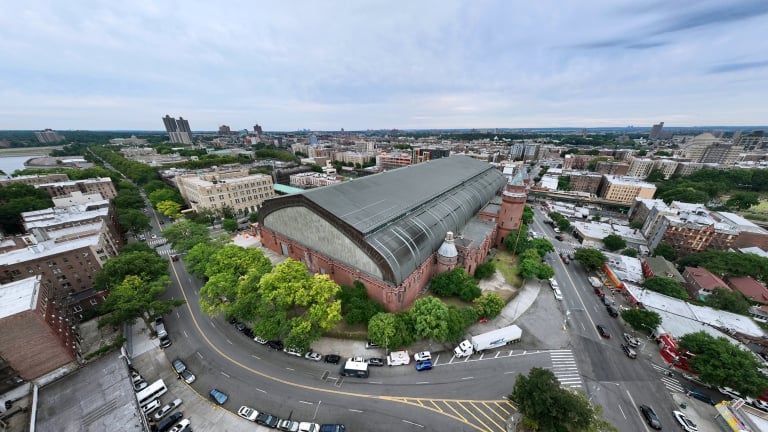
(9, 164)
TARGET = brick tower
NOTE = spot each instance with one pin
(513, 199)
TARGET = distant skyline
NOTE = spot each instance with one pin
(383, 64)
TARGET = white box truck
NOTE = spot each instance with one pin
(595, 282)
(398, 358)
(492, 339)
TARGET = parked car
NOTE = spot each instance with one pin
(170, 421)
(553, 283)
(696, 394)
(309, 427)
(178, 366)
(288, 425)
(729, 392)
(167, 408)
(606, 301)
(612, 311)
(421, 356)
(599, 292)
(369, 345)
(650, 417)
(276, 345)
(603, 331)
(375, 361)
(685, 422)
(247, 413)
(219, 396)
(628, 351)
(311, 355)
(174, 257)
(165, 341)
(188, 376)
(239, 326)
(260, 340)
(180, 426)
(559, 237)
(631, 341)
(558, 295)
(139, 385)
(293, 351)
(248, 332)
(423, 365)
(148, 408)
(267, 420)
(332, 358)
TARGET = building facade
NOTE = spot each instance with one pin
(178, 130)
(224, 188)
(624, 189)
(640, 167)
(585, 182)
(103, 186)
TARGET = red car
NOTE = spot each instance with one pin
(603, 331)
(599, 292)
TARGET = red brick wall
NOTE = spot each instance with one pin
(30, 346)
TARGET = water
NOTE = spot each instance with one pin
(9, 164)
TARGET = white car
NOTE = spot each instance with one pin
(760, 404)
(313, 356)
(167, 408)
(558, 294)
(553, 283)
(309, 427)
(421, 356)
(148, 408)
(685, 422)
(293, 351)
(260, 340)
(729, 392)
(180, 426)
(248, 413)
(288, 425)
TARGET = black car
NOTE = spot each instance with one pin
(169, 421)
(248, 332)
(612, 311)
(606, 301)
(239, 326)
(267, 420)
(650, 417)
(559, 237)
(375, 361)
(696, 394)
(276, 344)
(332, 358)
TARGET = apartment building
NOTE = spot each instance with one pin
(49, 136)
(102, 185)
(74, 215)
(640, 167)
(313, 179)
(35, 179)
(387, 161)
(232, 188)
(624, 189)
(700, 282)
(688, 168)
(585, 182)
(36, 337)
(612, 168)
(666, 166)
(721, 153)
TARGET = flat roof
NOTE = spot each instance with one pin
(60, 215)
(19, 296)
(82, 236)
(741, 223)
(105, 400)
(625, 267)
(631, 181)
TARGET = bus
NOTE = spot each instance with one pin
(152, 392)
(352, 368)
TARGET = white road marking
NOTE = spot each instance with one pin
(468, 378)
(415, 424)
(199, 355)
(290, 369)
(260, 390)
(306, 403)
(256, 357)
(225, 374)
(230, 342)
(354, 410)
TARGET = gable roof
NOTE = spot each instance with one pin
(749, 287)
(705, 279)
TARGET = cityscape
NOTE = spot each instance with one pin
(329, 217)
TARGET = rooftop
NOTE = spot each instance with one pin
(60, 215)
(59, 241)
(749, 287)
(705, 279)
(624, 267)
(19, 296)
(106, 400)
(629, 181)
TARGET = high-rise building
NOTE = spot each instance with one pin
(178, 130)
(656, 131)
(48, 136)
(224, 130)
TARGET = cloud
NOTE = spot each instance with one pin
(735, 67)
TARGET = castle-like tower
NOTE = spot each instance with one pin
(447, 255)
(512, 204)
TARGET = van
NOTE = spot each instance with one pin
(170, 421)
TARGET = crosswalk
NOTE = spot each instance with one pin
(565, 250)
(670, 382)
(565, 369)
(156, 242)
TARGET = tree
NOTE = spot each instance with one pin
(564, 224)
(641, 319)
(547, 406)
(488, 305)
(542, 246)
(591, 259)
(226, 270)
(430, 316)
(485, 270)
(146, 265)
(133, 221)
(169, 208)
(630, 252)
(165, 194)
(730, 263)
(455, 282)
(229, 225)
(185, 234)
(727, 300)
(666, 286)
(743, 200)
(613, 242)
(136, 297)
(531, 267)
(456, 325)
(636, 224)
(655, 176)
(17, 198)
(253, 217)
(517, 241)
(527, 215)
(665, 251)
(381, 328)
(685, 194)
(724, 364)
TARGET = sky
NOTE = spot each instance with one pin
(328, 65)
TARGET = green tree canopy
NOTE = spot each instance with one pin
(613, 242)
(169, 208)
(630, 252)
(165, 194)
(455, 282)
(17, 198)
(381, 329)
(666, 286)
(641, 319)
(489, 305)
(184, 234)
(729, 263)
(549, 407)
(146, 265)
(229, 225)
(591, 259)
(542, 246)
(485, 270)
(743, 200)
(527, 215)
(430, 316)
(727, 300)
(531, 267)
(724, 364)
(655, 176)
(133, 221)
(136, 297)
(665, 251)
(517, 240)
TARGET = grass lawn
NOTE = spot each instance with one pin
(507, 265)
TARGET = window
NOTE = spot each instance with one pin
(94, 302)
(77, 309)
